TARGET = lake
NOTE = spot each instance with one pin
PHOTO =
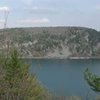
(65, 77)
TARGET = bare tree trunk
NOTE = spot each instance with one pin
(6, 19)
(6, 13)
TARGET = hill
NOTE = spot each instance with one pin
(52, 42)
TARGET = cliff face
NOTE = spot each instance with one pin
(52, 41)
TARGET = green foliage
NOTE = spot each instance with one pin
(16, 83)
(93, 80)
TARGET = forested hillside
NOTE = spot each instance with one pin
(53, 42)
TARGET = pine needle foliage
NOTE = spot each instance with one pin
(93, 80)
(15, 81)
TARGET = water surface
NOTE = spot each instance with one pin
(65, 77)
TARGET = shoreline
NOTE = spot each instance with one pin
(68, 58)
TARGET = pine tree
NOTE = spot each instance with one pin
(93, 80)
(16, 83)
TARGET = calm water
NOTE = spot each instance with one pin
(65, 77)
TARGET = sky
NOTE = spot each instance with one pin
(40, 13)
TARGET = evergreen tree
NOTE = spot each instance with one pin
(16, 83)
(93, 80)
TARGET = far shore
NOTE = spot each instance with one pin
(70, 58)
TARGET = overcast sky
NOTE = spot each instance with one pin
(32, 13)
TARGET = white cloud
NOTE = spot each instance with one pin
(27, 2)
(1, 21)
(34, 21)
(42, 10)
(4, 9)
